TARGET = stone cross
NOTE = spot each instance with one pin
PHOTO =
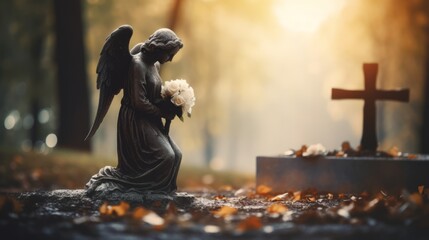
(370, 94)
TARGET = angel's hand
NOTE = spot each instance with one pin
(168, 115)
(167, 109)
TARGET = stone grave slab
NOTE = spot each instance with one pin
(342, 174)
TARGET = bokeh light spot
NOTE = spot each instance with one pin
(11, 120)
(43, 116)
(51, 140)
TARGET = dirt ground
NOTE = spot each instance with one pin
(210, 205)
(244, 213)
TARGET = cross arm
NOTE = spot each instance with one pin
(346, 94)
(402, 95)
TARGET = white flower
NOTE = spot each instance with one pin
(178, 100)
(171, 88)
(180, 94)
(315, 150)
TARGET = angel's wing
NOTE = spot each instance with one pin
(112, 70)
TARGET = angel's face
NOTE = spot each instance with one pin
(167, 56)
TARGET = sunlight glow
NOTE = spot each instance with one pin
(305, 15)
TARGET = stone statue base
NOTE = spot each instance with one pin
(342, 174)
(58, 199)
(110, 179)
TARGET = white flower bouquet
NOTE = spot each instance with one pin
(180, 94)
(315, 150)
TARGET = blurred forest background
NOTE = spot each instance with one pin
(262, 73)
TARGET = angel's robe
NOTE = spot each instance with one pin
(148, 159)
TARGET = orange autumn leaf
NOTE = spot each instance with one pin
(421, 189)
(225, 211)
(416, 198)
(105, 209)
(171, 211)
(121, 209)
(296, 196)
(263, 190)
(36, 174)
(118, 210)
(139, 213)
(226, 188)
(250, 223)
(220, 197)
(394, 151)
(277, 208)
(279, 197)
(300, 152)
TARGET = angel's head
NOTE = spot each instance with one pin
(162, 45)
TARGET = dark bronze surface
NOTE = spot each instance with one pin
(148, 159)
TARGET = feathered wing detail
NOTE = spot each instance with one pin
(112, 70)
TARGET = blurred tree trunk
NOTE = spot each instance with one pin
(424, 138)
(73, 97)
(425, 131)
(175, 14)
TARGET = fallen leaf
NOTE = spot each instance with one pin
(341, 195)
(36, 174)
(279, 197)
(211, 229)
(153, 219)
(220, 197)
(394, 152)
(345, 210)
(105, 209)
(364, 195)
(376, 208)
(263, 190)
(296, 196)
(225, 211)
(119, 210)
(226, 188)
(421, 189)
(139, 212)
(340, 154)
(277, 208)
(243, 192)
(250, 223)
(416, 199)
(301, 151)
(171, 212)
